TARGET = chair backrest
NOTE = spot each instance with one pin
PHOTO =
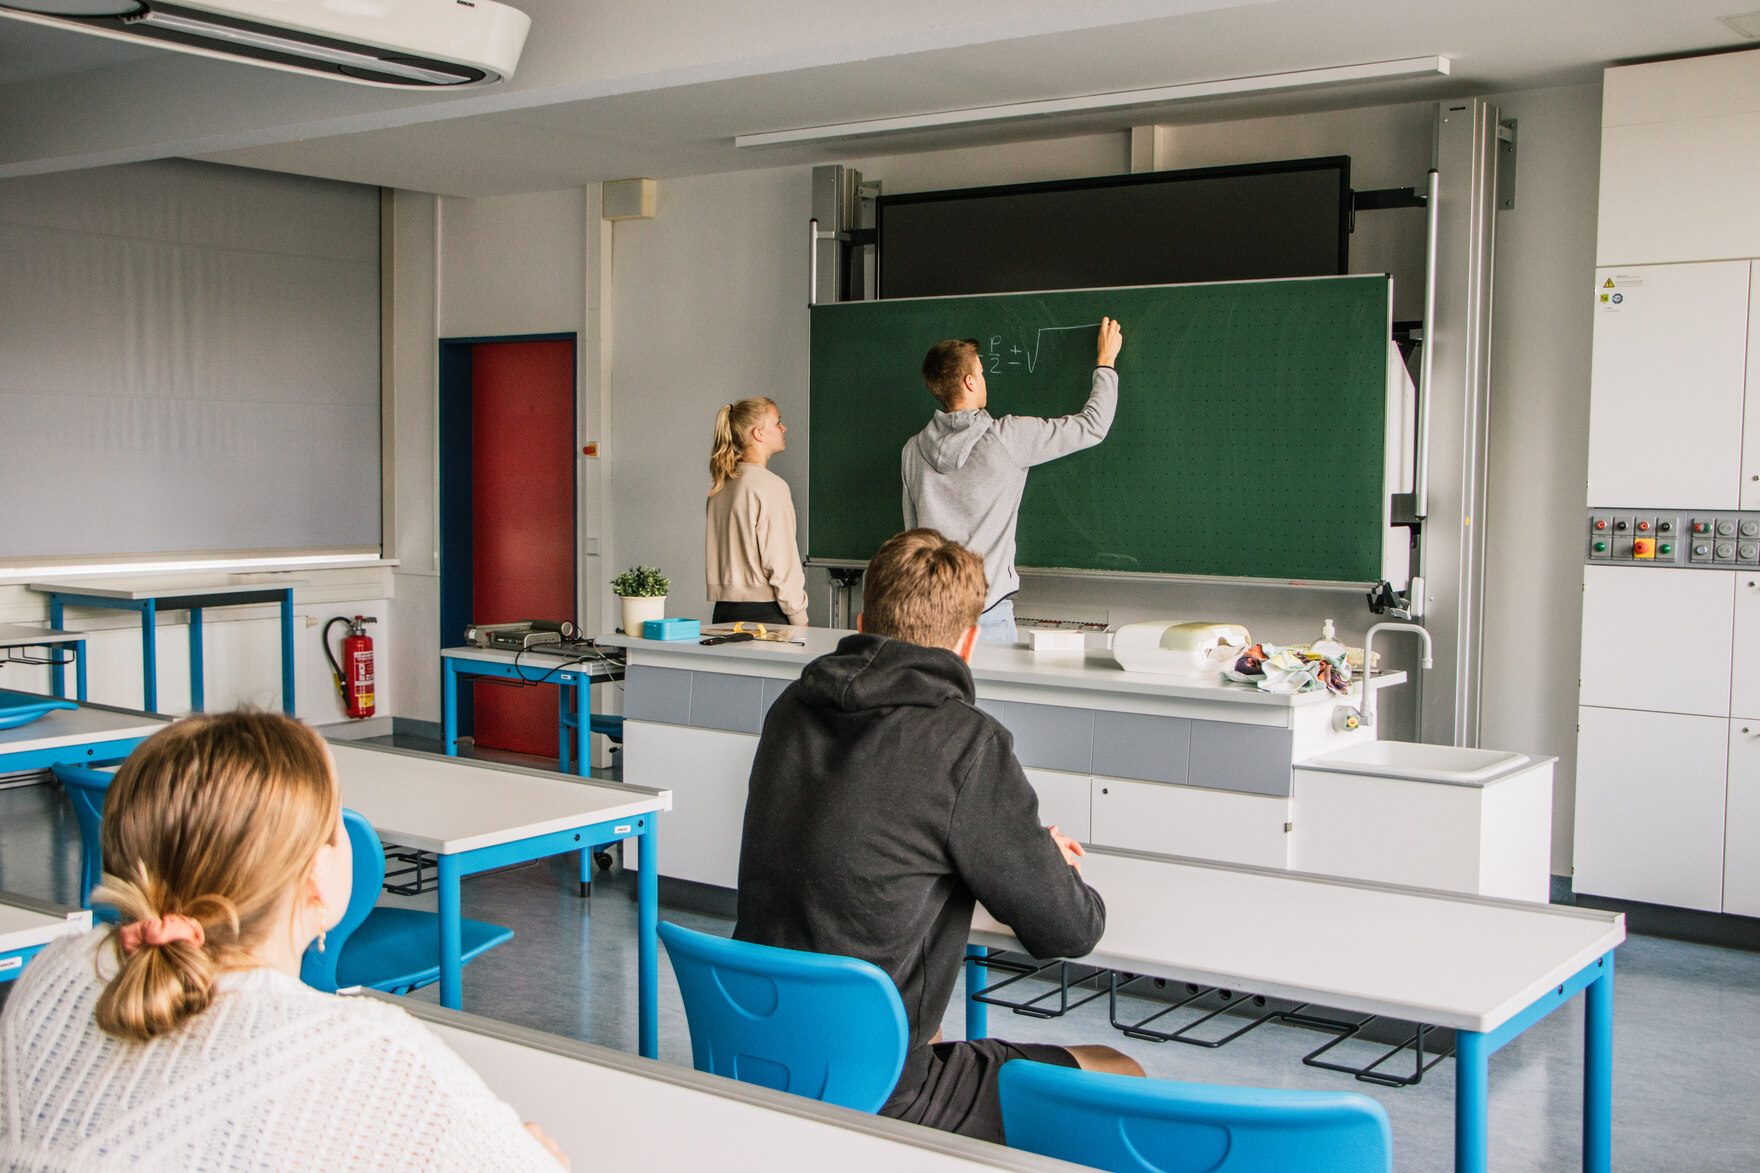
(318, 967)
(86, 789)
(1133, 1125)
(830, 1028)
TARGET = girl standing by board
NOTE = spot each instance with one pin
(754, 567)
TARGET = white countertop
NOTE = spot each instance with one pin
(18, 635)
(1466, 962)
(994, 663)
(31, 922)
(449, 805)
(137, 588)
(88, 723)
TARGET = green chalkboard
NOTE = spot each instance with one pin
(1249, 440)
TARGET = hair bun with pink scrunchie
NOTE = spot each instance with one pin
(162, 930)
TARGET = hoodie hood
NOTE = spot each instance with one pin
(871, 672)
(950, 437)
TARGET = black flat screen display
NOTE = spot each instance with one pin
(1264, 220)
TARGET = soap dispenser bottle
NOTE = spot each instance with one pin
(1327, 645)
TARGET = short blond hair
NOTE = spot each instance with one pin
(922, 588)
(214, 818)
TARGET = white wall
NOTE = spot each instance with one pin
(709, 305)
(1539, 450)
(510, 265)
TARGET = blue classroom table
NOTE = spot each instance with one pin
(475, 816)
(14, 637)
(1487, 969)
(574, 680)
(147, 600)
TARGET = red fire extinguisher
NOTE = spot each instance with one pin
(354, 676)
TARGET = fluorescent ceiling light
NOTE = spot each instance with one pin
(1123, 99)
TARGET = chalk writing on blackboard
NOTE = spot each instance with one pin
(997, 357)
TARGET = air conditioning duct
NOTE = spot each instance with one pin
(376, 42)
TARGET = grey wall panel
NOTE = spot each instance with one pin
(721, 700)
(773, 686)
(1252, 759)
(994, 708)
(657, 694)
(1137, 745)
(1051, 737)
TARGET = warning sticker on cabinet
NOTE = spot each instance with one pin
(1615, 291)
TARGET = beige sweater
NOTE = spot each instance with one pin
(749, 546)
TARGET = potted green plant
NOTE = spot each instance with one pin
(643, 591)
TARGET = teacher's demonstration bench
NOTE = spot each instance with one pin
(1182, 766)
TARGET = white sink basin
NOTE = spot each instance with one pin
(1422, 763)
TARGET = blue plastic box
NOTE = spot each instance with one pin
(677, 629)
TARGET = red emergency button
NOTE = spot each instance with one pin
(1643, 547)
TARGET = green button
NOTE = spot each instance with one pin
(1601, 547)
(1665, 548)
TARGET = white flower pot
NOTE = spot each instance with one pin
(638, 609)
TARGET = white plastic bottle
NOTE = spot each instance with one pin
(1327, 645)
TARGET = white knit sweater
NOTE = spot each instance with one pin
(273, 1075)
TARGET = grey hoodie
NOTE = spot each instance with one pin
(964, 474)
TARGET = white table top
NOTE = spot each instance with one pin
(1458, 961)
(18, 635)
(991, 663)
(79, 726)
(535, 664)
(449, 805)
(136, 589)
(25, 922)
(579, 1094)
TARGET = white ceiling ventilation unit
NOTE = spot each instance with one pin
(377, 42)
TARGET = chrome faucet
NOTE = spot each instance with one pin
(1349, 718)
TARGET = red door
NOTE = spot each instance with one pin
(523, 520)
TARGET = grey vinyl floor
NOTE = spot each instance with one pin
(1686, 1020)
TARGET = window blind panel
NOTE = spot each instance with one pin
(189, 361)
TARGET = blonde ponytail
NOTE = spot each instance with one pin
(214, 818)
(733, 430)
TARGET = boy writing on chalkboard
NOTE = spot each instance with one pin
(883, 802)
(964, 474)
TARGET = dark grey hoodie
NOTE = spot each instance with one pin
(882, 803)
(964, 474)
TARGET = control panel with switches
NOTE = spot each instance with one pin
(1680, 538)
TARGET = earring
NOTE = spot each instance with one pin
(322, 913)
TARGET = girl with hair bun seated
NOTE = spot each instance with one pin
(182, 1038)
(754, 566)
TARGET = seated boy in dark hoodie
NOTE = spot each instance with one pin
(883, 803)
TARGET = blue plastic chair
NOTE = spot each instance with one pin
(829, 1028)
(1132, 1125)
(86, 789)
(391, 949)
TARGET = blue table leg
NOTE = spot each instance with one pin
(451, 944)
(1472, 1074)
(79, 671)
(449, 707)
(197, 695)
(648, 940)
(977, 1013)
(57, 674)
(288, 698)
(564, 722)
(150, 656)
(1598, 1072)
